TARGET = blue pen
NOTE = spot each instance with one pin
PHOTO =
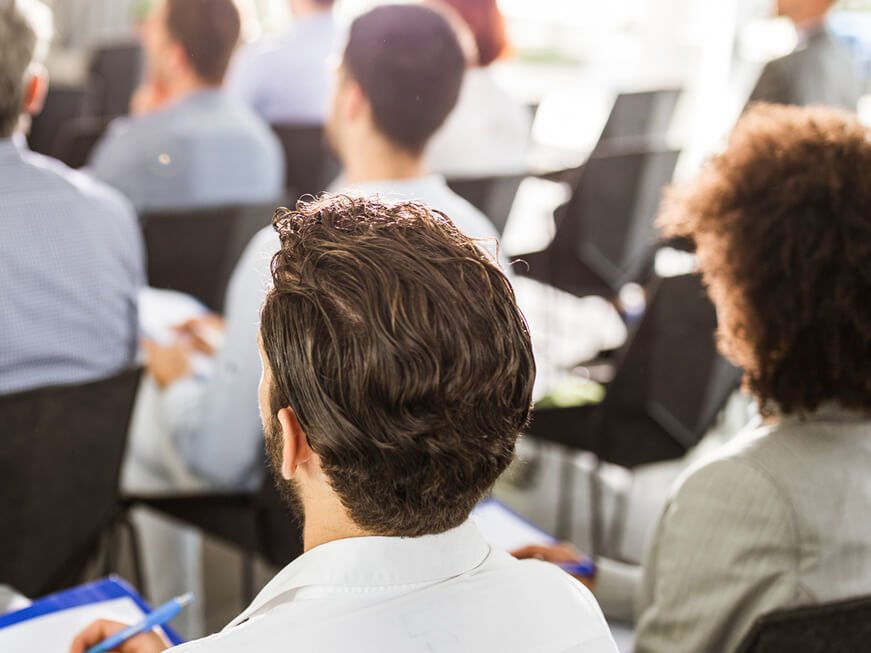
(584, 568)
(158, 617)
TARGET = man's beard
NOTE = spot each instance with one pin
(289, 490)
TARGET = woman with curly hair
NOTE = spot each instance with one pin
(782, 226)
(779, 517)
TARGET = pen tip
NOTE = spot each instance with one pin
(186, 599)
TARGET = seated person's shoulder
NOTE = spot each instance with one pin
(82, 188)
(539, 583)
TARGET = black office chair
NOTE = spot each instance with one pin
(77, 138)
(644, 115)
(636, 118)
(60, 460)
(115, 72)
(310, 165)
(493, 196)
(196, 251)
(606, 234)
(62, 104)
(839, 626)
(258, 523)
(669, 386)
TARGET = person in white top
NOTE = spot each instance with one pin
(489, 131)
(397, 374)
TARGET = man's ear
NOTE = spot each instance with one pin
(355, 101)
(295, 449)
(36, 89)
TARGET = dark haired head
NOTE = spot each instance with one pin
(208, 31)
(782, 230)
(487, 24)
(399, 346)
(409, 64)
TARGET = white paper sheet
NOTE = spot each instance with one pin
(161, 310)
(502, 528)
(53, 633)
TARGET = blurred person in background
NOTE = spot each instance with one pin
(399, 79)
(287, 79)
(488, 132)
(189, 144)
(777, 518)
(71, 254)
(821, 70)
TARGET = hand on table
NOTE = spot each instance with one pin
(101, 630)
(167, 363)
(558, 554)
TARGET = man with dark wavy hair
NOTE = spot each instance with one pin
(397, 374)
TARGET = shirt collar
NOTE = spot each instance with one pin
(12, 149)
(361, 562)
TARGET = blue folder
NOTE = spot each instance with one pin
(106, 589)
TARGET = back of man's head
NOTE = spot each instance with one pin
(25, 28)
(408, 62)
(208, 32)
(398, 345)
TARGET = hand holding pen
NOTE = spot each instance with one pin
(103, 636)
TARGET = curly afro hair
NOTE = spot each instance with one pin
(782, 226)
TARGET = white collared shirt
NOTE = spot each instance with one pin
(451, 592)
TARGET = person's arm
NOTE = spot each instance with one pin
(216, 421)
(724, 553)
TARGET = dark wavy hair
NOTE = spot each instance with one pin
(782, 226)
(399, 346)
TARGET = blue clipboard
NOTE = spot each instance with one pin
(106, 589)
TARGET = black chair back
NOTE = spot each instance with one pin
(115, 73)
(77, 138)
(671, 381)
(609, 222)
(62, 104)
(310, 165)
(840, 626)
(669, 386)
(196, 251)
(641, 115)
(493, 196)
(60, 459)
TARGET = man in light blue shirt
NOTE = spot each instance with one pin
(287, 79)
(189, 144)
(71, 256)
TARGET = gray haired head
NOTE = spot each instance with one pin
(25, 31)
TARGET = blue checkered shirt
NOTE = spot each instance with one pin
(71, 264)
